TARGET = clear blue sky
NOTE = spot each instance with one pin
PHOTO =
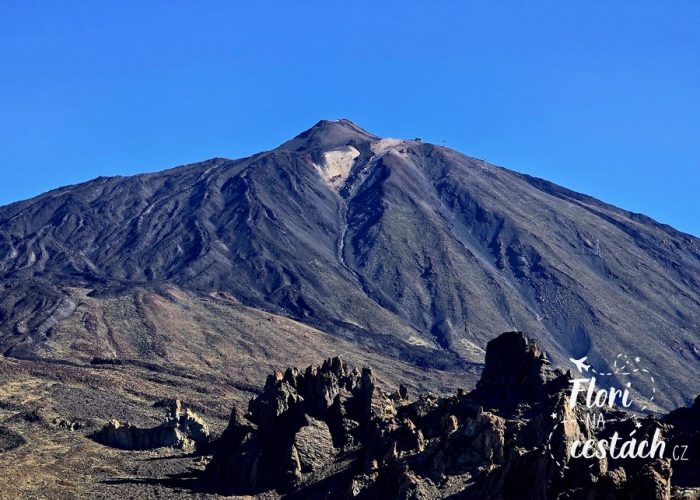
(601, 97)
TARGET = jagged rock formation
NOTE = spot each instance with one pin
(409, 249)
(333, 431)
(296, 426)
(182, 429)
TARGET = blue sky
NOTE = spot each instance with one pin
(601, 97)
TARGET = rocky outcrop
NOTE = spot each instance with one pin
(332, 431)
(516, 374)
(296, 427)
(182, 429)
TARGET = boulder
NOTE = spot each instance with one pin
(314, 445)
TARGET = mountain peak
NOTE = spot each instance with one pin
(329, 134)
(402, 249)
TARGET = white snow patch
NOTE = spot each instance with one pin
(337, 164)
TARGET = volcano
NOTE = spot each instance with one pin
(406, 254)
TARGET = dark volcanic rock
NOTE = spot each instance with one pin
(331, 431)
(313, 443)
(516, 372)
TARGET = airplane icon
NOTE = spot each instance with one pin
(580, 364)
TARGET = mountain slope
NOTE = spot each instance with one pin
(400, 246)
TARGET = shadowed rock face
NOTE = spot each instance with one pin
(516, 372)
(410, 249)
(331, 431)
